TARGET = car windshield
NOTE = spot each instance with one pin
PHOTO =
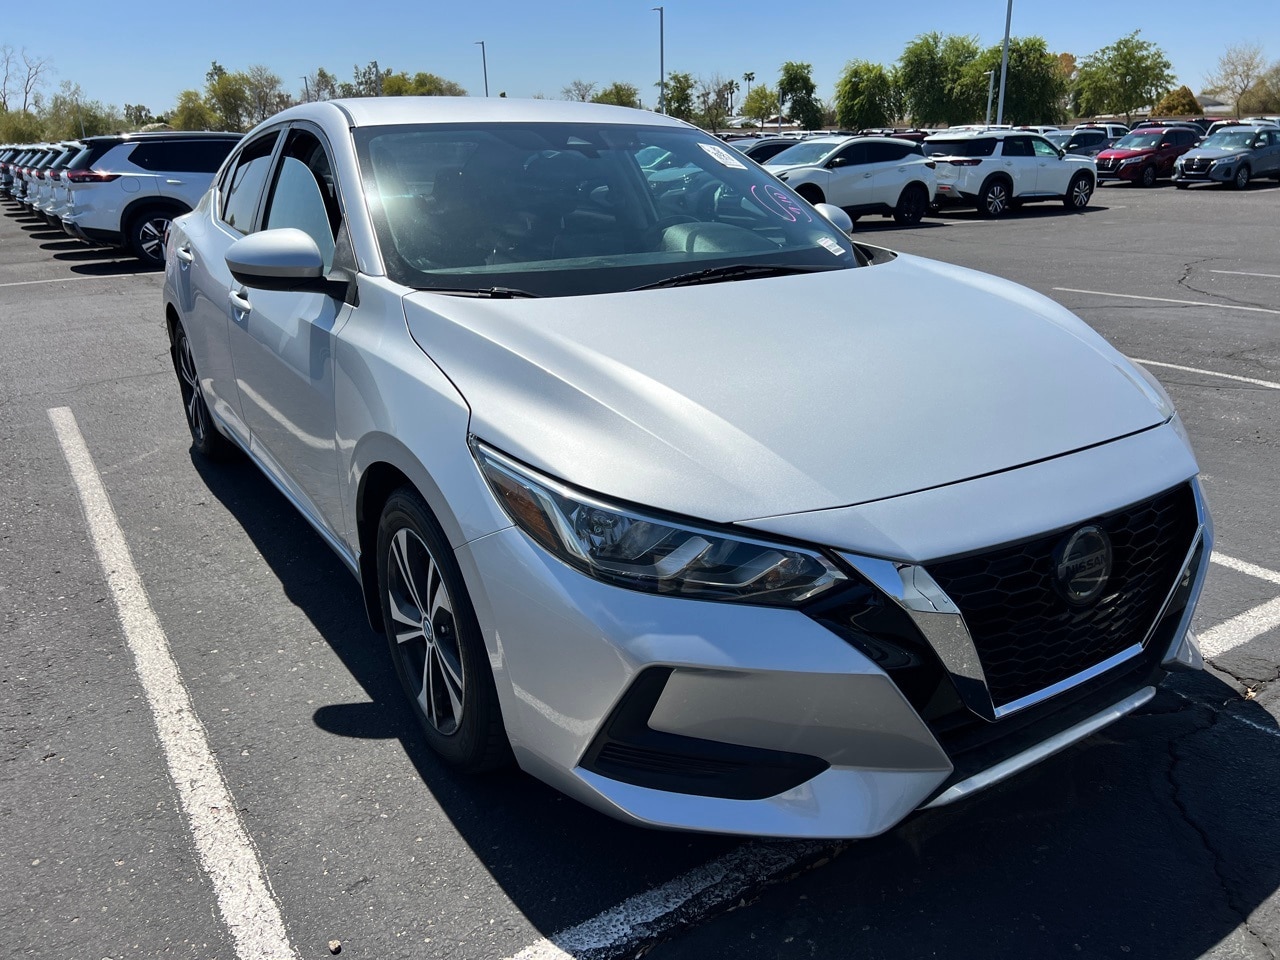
(1058, 139)
(1229, 140)
(977, 147)
(558, 209)
(1138, 141)
(812, 153)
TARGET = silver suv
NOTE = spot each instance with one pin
(127, 188)
(998, 170)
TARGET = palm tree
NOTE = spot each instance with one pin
(748, 77)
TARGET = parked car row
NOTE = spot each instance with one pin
(120, 190)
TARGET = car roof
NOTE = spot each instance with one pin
(979, 134)
(163, 135)
(390, 111)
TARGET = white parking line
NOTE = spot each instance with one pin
(26, 283)
(1244, 627)
(1187, 303)
(1209, 373)
(653, 912)
(226, 853)
(1242, 273)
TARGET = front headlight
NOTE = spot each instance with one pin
(1128, 160)
(628, 548)
(1232, 159)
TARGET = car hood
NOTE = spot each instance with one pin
(1214, 153)
(1112, 153)
(740, 400)
(777, 168)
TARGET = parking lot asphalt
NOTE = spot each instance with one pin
(1157, 838)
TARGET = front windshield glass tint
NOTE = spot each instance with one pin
(1139, 141)
(568, 209)
(811, 153)
(1230, 140)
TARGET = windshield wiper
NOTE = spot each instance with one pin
(735, 271)
(491, 293)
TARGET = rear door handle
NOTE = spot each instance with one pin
(239, 304)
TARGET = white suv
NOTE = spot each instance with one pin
(128, 187)
(861, 174)
(996, 170)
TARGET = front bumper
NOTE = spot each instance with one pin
(682, 714)
(1218, 172)
(1130, 173)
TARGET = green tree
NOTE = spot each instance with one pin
(760, 103)
(680, 95)
(137, 116)
(228, 95)
(864, 96)
(1264, 96)
(934, 79)
(20, 126)
(193, 112)
(68, 114)
(797, 94)
(1035, 86)
(1123, 76)
(1178, 103)
(619, 94)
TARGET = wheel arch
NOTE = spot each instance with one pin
(135, 207)
(811, 192)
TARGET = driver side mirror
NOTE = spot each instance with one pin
(1165, 145)
(835, 162)
(839, 219)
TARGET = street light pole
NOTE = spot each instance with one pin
(991, 89)
(1004, 62)
(662, 60)
(484, 62)
(306, 88)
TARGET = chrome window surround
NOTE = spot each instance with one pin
(942, 624)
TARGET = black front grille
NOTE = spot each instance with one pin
(1196, 165)
(1028, 637)
(1108, 163)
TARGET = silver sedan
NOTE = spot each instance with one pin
(659, 485)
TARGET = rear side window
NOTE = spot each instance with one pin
(92, 153)
(185, 156)
(886, 152)
(244, 182)
(1017, 147)
(979, 147)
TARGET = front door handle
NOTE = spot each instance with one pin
(239, 304)
(184, 253)
(176, 183)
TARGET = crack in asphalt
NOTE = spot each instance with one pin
(1206, 840)
(1185, 282)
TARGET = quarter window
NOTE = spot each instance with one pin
(245, 181)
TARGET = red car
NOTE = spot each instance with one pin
(1145, 155)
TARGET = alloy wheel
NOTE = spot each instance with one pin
(997, 199)
(1081, 191)
(192, 397)
(151, 237)
(425, 630)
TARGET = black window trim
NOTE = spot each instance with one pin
(219, 191)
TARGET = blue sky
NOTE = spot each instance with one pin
(147, 56)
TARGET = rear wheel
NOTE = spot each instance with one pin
(205, 438)
(146, 234)
(1241, 179)
(435, 640)
(993, 200)
(912, 204)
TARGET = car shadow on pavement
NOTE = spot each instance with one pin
(125, 266)
(521, 830)
(1156, 839)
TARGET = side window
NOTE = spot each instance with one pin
(1017, 147)
(304, 194)
(885, 152)
(1044, 148)
(853, 155)
(244, 182)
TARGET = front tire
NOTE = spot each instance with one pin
(1241, 179)
(1078, 192)
(205, 438)
(912, 204)
(994, 199)
(435, 640)
(1148, 177)
(811, 193)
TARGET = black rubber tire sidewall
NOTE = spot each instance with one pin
(985, 193)
(479, 743)
(213, 446)
(910, 217)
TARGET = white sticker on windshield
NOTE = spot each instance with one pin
(722, 156)
(834, 247)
